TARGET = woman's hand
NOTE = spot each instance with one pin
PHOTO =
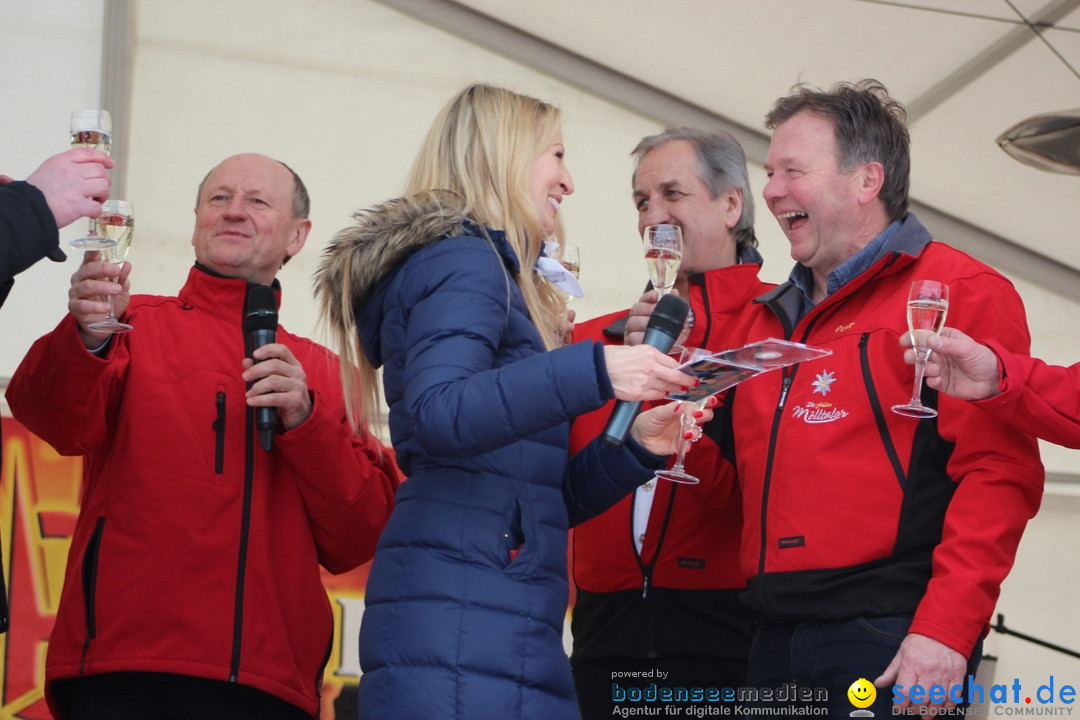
(659, 430)
(567, 334)
(644, 373)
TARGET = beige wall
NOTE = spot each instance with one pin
(343, 90)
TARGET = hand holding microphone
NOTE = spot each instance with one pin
(644, 372)
(260, 328)
(640, 314)
(277, 384)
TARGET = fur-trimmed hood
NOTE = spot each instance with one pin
(361, 257)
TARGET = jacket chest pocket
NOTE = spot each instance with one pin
(878, 411)
(219, 431)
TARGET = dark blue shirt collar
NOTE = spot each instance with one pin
(803, 279)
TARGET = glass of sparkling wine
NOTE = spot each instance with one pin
(91, 129)
(677, 472)
(927, 306)
(571, 260)
(663, 253)
(117, 223)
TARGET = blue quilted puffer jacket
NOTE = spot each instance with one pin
(467, 594)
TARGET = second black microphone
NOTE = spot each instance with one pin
(665, 326)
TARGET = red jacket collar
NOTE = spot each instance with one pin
(218, 294)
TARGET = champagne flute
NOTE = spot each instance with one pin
(677, 472)
(571, 260)
(117, 222)
(927, 306)
(663, 253)
(91, 129)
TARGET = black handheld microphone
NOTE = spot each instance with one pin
(665, 325)
(260, 328)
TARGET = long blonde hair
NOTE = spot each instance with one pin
(481, 146)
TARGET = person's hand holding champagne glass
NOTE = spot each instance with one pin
(99, 288)
(571, 261)
(117, 223)
(91, 129)
(927, 306)
(663, 254)
(645, 373)
(677, 473)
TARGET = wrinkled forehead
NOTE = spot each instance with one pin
(801, 134)
(674, 164)
(249, 175)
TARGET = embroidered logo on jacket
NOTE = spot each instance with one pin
(823, 383)
(816, 412)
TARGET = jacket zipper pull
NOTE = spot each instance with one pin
(645, 588)
(784, 392)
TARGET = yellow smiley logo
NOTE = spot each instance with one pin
(862, 693)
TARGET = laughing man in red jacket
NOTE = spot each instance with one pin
(877, 543)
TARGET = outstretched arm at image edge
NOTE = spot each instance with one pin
(999, 480)
(27, 231)
(1037, 398)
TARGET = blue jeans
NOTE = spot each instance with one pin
(832, 656)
